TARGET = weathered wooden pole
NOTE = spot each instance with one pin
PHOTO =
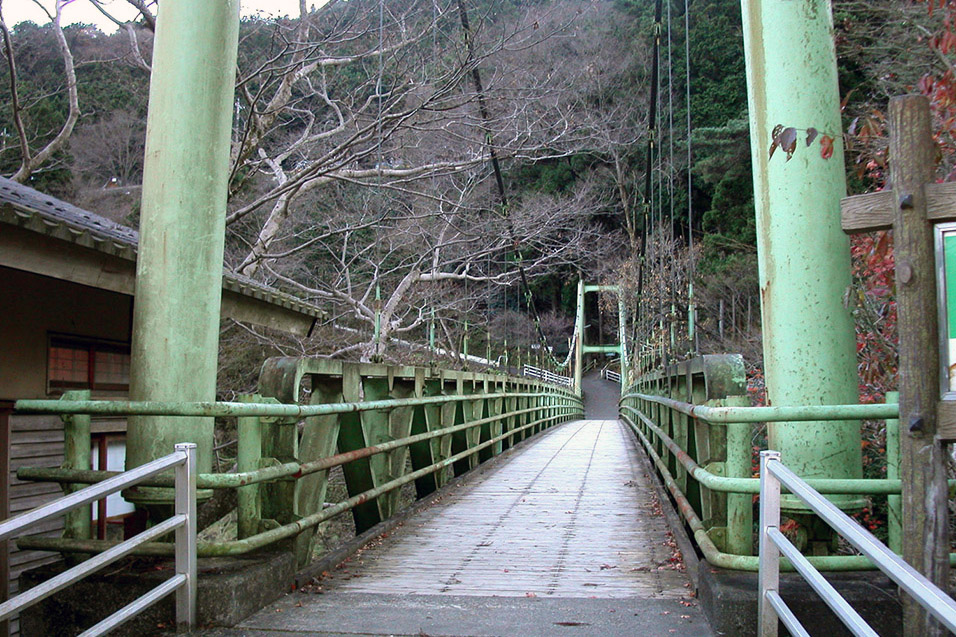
(622, 335)
(182, 225)
(809, 343)
(923, 466)
(925, 424)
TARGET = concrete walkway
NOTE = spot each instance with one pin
(600, 397)
(563, 537)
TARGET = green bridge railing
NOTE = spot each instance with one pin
(386, 426)
(695, 421)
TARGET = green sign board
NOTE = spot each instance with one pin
(946, 278)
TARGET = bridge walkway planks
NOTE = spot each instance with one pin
(566, 517)
(564, 536)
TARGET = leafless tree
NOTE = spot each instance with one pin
(110, 151)
(402, 258)
(31, 156)
(389, 179)
(360, 155)
(400, 121)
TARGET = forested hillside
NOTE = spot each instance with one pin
(408, 159)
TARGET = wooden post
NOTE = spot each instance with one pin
(910, 210)
(6, 408)
(923, 463)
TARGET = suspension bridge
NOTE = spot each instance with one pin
(565, 535)
(584, 506)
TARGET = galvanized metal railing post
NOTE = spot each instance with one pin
(769, 574)
(186, 595)
(933, 600)
(183, 523)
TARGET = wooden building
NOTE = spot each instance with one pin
(67, 280)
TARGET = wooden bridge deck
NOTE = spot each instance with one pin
(570, 516)
(563, 536)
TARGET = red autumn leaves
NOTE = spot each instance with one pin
(785, 138)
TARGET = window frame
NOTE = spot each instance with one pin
(92, 346)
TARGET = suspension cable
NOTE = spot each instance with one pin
(648, 163)
(499, 180)
(692, 308)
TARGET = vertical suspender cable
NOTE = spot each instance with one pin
(377, 341)
(670, 183)
(499, 178)
(659, 226)
(691, 305)
(648, 163)
(435, 30)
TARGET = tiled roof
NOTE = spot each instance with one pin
(47, 215)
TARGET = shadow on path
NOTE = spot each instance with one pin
(600, 397)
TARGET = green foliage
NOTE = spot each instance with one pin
(551, 177)
(723, 191)
(723, 165)
(718, 74)
(104, 86)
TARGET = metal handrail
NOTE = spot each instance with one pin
(284, 470)
(226, 409)
(290, 530)
(611, 375)
(655, 438)
(183, 522)
(723, 415)
(771, 606)
(542, 374)
(715, 482)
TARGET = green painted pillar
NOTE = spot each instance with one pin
(894, 503)
(622, 336)
(77, 444)
(804, 256)
(378, 346)
(691, 317)
(579, 341)
(182, 225)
